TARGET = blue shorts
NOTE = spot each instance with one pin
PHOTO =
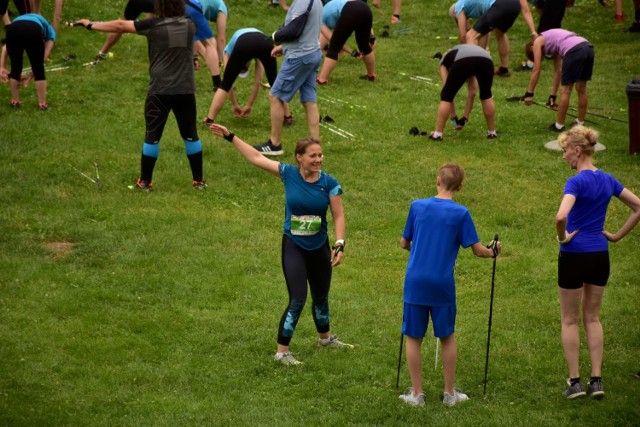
(577, 64)
(416, 319)
(298, 74)
(194, 11)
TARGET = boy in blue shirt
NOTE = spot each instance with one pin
(435, 230)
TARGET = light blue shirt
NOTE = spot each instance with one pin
(473, 8)
(211, 8)
(331, 12)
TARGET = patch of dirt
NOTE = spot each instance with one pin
(59, 249)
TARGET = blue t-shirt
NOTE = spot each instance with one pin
(436, 229)
(593, 191)
(232, 43)
(304, 198)
(473, 8)
(211, 8)
(331, 12)
(47, 30)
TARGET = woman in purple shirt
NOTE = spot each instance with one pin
(573, 61)
(583, 262)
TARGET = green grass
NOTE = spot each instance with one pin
(165, 311)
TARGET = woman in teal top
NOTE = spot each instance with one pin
(306, 256)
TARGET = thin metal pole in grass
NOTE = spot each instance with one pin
(399, 360)
(493, 281)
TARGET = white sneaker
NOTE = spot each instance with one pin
(458, 396)
(286, 358)
(410, 399)
(333, 342)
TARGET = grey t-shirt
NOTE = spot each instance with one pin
(170, 54)
(462, 51)
(309, 41)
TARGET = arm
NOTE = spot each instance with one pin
(255, 89)
(535, 73)
(631, 200)
(472, 89)
(337, 212)
(461, 20)
(482, 251)
(248, 152)
(117, 26)
(276, 51)
(405, 244)
(528, 18)
(326, 33)
(561, 219)
(48, 47)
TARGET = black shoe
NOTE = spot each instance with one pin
(574, 391)
(553, 128)
(635, 27)
(502, 72)
(269, 149)
(595, 389)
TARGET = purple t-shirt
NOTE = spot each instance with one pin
(593, 191)
(559, 41)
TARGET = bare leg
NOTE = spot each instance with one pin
(581, 88)
(591, 302)
(41, 89)
(370, 63)
(327, 68)
(15, 90)
(217, 103)
(414, 362)
(489, 110)
(112, 39)
(449, 356)
(277, 118)
(313, 119)
(570, 319)
(503, 47)
(563, 105)
(444, 110)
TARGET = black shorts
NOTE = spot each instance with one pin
(135, 8)
(577, 268)
(460, 71)
(23, 6)
(501, 15)
(577, 64)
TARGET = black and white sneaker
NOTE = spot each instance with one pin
(595, 389)
(269, 149)
(574, 390)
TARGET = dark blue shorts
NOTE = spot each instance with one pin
(416, 319)
(577, 64)
(501, 15)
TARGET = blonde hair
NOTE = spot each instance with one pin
(451, 176)
(579, 136)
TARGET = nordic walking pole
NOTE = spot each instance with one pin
(493, 281)
(437, 345)
(399, 360)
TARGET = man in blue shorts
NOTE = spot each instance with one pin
(302, 59)
(435, 230)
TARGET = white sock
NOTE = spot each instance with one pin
(579, 123)
(559, 126)
(437, 134)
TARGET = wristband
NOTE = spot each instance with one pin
(528, 94)
(340, 242)
(372, 39)
(355, 53)
(562, 242)
(89, 26)
(229, 137)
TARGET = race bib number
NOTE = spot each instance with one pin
(305, 225)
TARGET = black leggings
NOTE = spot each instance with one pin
(25, 36)
(355, 16)
(156, 112)
(301, 266)
(250, 46)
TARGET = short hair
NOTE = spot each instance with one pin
(579, 136)
(528, 50)
(303, 144)
(451, 176)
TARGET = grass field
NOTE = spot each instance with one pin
(125, 308)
